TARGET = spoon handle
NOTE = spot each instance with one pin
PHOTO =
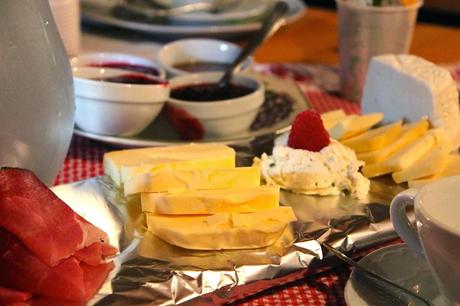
(269, 26)
(372, 275)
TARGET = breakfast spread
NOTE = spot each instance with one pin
(194, 197)
(312, 163)
(47, 251)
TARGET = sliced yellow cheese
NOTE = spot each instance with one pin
(226, 231)
(434, 161)
(452, 168)
(409, 133)
(211, 201)
(374, 139)
(331, 118)
(160, 164)
(404, 158)
(355, 125)
(201, 179)
(213, 154)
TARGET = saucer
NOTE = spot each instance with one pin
(399, 264)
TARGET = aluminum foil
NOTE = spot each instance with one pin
(150, 271)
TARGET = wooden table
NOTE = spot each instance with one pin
(313, 40)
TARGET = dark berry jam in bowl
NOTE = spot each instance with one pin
(116, 102)
(122, 61)
(221, 112)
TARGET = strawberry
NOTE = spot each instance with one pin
(308, 132)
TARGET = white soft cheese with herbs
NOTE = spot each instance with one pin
(409, 87)
(328, 172)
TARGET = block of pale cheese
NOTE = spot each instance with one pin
(223, 230)
(409, 87)
(196, 179)
(128, 163)
(243, 200)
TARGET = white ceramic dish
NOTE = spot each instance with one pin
(220, 117)
(101, 15)
(160, 133)
(195, 50)
(115, 108)
(398, 264)
(99, 58)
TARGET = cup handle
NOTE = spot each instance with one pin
(405, 229)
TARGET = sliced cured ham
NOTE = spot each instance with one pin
(10, 296)
(42, 221)
(46, 248)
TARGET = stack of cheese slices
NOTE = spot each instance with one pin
(194, 197)
(410, 89)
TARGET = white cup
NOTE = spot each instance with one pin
(366, 31)
(436, 235)
(66, 14)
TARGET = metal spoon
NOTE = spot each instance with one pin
(269, 26)
(382, 284)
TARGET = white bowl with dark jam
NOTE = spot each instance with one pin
(123, 61)
(197, 55)
(197, 107)
(113, 101)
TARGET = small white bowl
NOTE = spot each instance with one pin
(222, 117)
(99, 58)
(115, 108)
(196, 50)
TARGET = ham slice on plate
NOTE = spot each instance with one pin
(42, 221)
(45, 247)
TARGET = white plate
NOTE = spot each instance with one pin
(398, 264)
(159, 133)
(97, 14)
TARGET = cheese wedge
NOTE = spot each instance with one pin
(409, 133)
(222, 231)
(410, 87)
(211, 201)
(201, 179)
(434, 161)
(354, 125)
(331, 118)
(452, 168)
(403, 158)
(374, 139)
(136, 161)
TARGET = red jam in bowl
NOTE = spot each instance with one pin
(127, 66)
(132, 78)
(206, 92)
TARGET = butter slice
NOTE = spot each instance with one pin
(194, 202)
(409, 134)
(136, 161)
(217, 233)
(354, 125)
(403, 158)
(374, 139)
(331, 118)
(201, 179)
(432, 162)
(452, 168)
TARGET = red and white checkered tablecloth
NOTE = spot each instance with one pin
(319, 83)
